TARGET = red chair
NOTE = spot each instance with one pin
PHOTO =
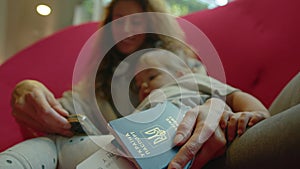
(257, 41)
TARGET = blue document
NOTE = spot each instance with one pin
(147, 136)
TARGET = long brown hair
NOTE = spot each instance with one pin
(114, 57)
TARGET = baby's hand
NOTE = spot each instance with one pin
(236, 123)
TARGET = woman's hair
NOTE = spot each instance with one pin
(114, 57)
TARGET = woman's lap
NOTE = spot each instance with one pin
(272, 143)
(288, 97)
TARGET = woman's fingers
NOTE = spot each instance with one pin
(45, 113)
(24, 120)
(186, 152)
(30, 125)
(213, 147)
(50, 120)
(202, 121)
(205, 151)
(183, 137)
(56, 106)
(186, 127)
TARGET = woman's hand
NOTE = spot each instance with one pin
(200, 135)
(35, 109)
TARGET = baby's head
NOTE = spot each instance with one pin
(157, 68)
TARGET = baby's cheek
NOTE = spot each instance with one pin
(140, 96)
(156, 85)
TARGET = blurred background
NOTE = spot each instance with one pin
(24, 22)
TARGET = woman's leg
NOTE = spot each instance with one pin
(74, 150)
(272, 143)
(34, 153)
(289, 96)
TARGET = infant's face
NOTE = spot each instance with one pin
(150, 79)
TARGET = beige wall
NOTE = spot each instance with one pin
(2, 30)
(21, 26)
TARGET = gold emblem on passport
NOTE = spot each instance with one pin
(155, 135)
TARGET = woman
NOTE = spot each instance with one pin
(31, 97)
(35, 107)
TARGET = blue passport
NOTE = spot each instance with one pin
(147, 137)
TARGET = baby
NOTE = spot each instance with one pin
(158, 68)
(162, 75)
